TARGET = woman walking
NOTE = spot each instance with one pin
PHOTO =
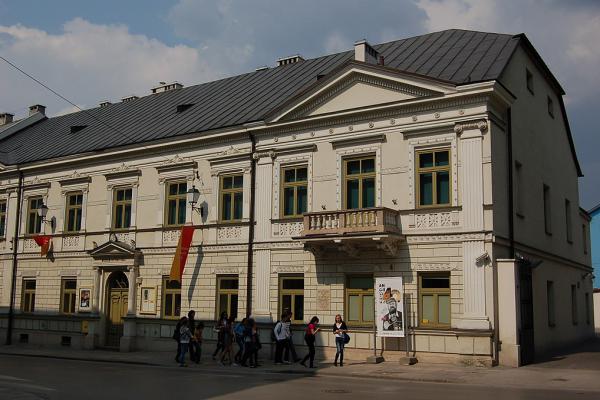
(339, 330)
(227, 342)
(309, 338)
(185, 336)
(219, 328)
(251, 344)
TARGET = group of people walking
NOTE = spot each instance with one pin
(244, 334)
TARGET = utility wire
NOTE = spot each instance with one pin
(71, 103)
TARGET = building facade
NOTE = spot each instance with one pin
(445, 159)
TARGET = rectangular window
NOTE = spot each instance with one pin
(73, 212)
(176, 203)
(574, 304)
(294, 191)
(232, 197)
(433, 178)
(550, 303)
(584, 238)
(360, 300)
(171, 298)
(227, 296)
(588, 309)
(68, 289)
(2, 218)
(434, 300)
(34, 220)
(291, 297)
(547, 211)
(28, 299)
(122, 201)
(568, 223)
(550, 107)
(529, 78)
(359, 183)
(519, 189)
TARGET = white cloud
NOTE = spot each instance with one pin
(88, 63)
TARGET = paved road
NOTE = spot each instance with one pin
(45, 378)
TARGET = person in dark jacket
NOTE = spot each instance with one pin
(220, 329)
(176, 337)
(339, 330)
(192, 326)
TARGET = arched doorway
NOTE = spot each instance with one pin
(118, 293)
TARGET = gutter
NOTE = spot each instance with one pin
(15, 244)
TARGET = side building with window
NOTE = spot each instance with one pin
(315, 179)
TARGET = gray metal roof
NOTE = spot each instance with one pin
(457, 56)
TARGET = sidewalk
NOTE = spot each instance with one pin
(557, 373)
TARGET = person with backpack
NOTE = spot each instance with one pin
(197, 342)
(290, 350)
(176, 335)
(238, 331)
(251, 344)
(185, 336)
(310, 338)
(339, 330)
(281, 334)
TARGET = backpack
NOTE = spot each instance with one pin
(273, 336)
(177, 333)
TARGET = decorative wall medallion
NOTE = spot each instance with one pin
(461, 112)
(312, 133)
(276, 140)
(392, 121)
(350, 128)
(371, 124)
(414, 118)
(331, 130)
(294, 137)
(436, 115)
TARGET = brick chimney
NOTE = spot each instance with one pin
(6, 118)
(365, 53)
(37, 108)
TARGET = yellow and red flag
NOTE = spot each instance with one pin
(45, 243)
(183, 248)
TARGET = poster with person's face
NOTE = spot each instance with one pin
(85, 299)
(389, 307)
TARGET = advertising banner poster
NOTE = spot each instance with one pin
(389, 307)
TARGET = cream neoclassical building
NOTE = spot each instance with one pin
(445, 159)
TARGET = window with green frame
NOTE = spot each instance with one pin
(434, 300)
(360, 300)
(171, 298)
(227, 296)
(433, 177)
(176, 203)
(28, 297)
(68, 288)
(122, 200)
(359, 183)
(232, 197)
(34, 220)
(74, 212)
(291, 297)
(294, 191)
(2, 218)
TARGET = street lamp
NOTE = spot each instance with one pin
(42, 211)
(193, 195)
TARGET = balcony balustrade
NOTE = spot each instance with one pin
(379, 220)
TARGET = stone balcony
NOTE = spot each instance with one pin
(351, 231)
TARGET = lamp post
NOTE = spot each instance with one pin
(193, 195)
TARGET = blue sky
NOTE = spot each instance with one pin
(91, 51)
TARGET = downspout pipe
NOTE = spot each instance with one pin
(511, 194)
(15, 244)
(250, 256)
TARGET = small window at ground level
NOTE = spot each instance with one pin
(360, 301)
(291, 297)
(434, 300)
(227, 296)
(171, 298)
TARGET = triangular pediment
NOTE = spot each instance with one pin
(113, 249)
(359, 86)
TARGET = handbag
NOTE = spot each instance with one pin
(346, 338)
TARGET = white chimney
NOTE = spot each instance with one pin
(129, 98)
(289, 60)
(37, 108)
(365, 53)
(6, 118)
(105, 103)
(165, 87)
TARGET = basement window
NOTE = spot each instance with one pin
(182, 107)
(77, 128)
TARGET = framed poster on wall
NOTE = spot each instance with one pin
(85, 299)
(148, 305)
(389, 307)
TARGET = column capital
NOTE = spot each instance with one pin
(480, 124)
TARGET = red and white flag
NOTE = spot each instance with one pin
(183, 248)
(45, 243)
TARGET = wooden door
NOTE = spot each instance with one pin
(117, 309)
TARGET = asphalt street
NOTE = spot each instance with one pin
(46, 378)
